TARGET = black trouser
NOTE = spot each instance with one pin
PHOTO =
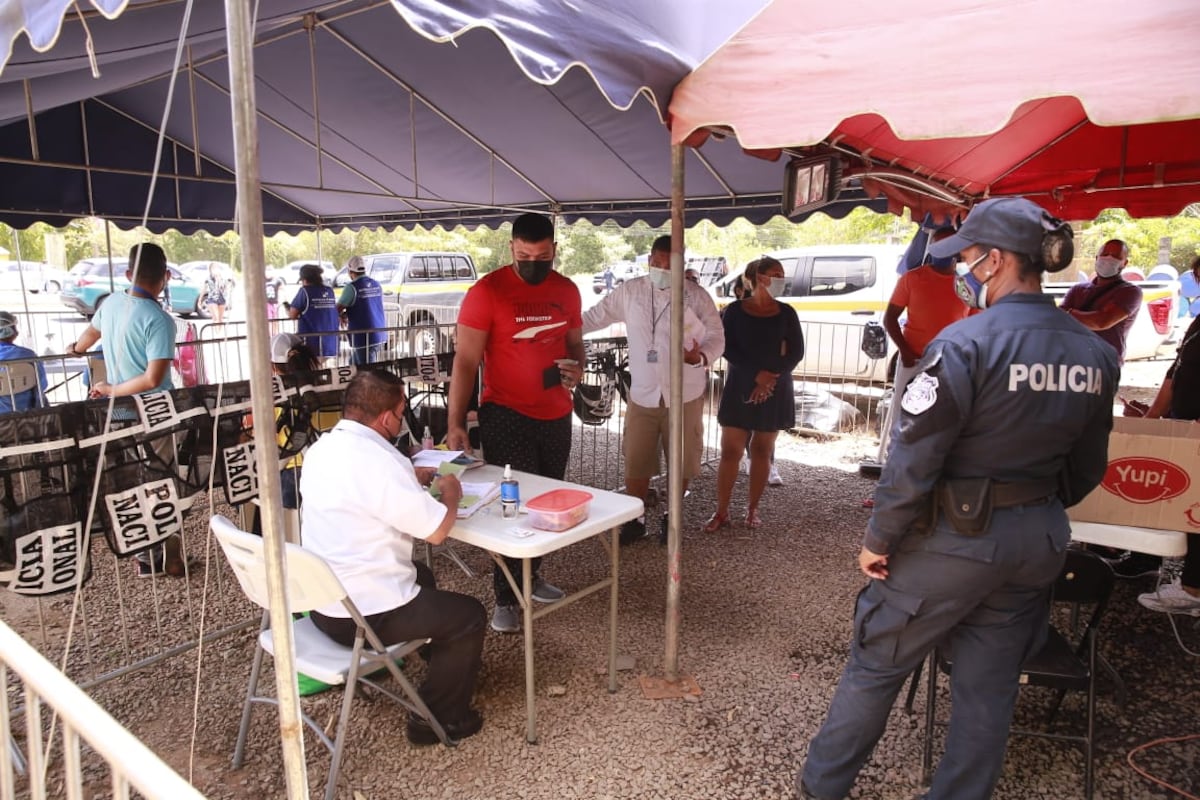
(1191, 563)
(455, 624)
(532, 445)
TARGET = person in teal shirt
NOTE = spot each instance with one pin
(138, 334)
(139, 346)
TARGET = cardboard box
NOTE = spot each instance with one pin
(1153, 477)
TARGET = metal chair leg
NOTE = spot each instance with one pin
(912, 688)
(335, 761)
(930, 707)
(239, 750)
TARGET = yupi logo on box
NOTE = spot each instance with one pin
(1193, 515)
(1141, 480)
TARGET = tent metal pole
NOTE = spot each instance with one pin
(240, 44)
(108, 251)
(675, 450)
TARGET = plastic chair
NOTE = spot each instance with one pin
(17, 377)
(312, 584)
(1085, 580)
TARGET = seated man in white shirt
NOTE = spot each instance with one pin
(363, 508)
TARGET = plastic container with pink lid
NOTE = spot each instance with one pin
(558, 509)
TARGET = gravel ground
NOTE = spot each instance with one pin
(766, 621)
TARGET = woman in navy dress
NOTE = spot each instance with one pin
(763, 344)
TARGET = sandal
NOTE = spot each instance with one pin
(753, 520)
(716, 522)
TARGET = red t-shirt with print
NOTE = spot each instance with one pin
(527, 330)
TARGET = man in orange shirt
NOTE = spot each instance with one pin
(927, 292)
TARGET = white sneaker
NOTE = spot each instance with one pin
(1171, 598)
(774, 478)
(744, 466)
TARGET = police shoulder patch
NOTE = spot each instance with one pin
(921, 394)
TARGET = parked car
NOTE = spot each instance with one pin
(621, 271)
(1153, 326)
(32, 276)
(92, 280)
(710, 269)
(421, 291)
(290, 272)
(836, 290)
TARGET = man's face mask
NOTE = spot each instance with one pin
(660, 278)
(1108, 267)
(970, 289)
(534, 272)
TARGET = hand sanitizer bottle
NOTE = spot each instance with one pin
(427, 440)
(510, 494)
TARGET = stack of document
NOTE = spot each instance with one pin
(476, 496)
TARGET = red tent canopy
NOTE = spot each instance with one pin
(1080, 108)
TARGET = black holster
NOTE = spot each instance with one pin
(968, 502)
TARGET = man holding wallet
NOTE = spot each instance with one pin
(523, 322)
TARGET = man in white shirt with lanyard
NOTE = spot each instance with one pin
(644, 305)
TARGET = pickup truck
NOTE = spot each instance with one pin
(1153, 327)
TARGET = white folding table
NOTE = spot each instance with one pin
(488, 530)
(1168, 544)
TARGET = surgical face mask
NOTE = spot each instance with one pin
(535, 271)
(773, 285)
(1108, 267)
(660, 278)
(970, 289)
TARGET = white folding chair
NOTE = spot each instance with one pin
(312, 584)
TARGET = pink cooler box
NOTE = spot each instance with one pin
(559, 509)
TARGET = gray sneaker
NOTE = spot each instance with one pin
(506, 619)
(546, 592)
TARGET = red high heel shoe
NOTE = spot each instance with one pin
(716, 522)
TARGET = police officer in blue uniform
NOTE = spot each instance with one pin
(315, 309)
(1005, 424)
(361, 302)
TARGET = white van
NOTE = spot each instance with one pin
(836, 290)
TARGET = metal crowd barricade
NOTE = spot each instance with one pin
(59, 761)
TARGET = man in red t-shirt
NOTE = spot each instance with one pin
(523, 321)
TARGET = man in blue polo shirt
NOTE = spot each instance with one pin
(361, 306)
(25, 399)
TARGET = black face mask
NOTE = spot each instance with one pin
(534, 272)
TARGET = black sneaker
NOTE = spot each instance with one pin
(1136, 565)
(420, 732)
(633, 531)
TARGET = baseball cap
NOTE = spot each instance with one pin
(1010, 223)
(8, 325)
(356, 265)
(282, 344)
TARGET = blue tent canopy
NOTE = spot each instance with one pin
(374, 113)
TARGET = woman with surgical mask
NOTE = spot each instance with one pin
(763, 344)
